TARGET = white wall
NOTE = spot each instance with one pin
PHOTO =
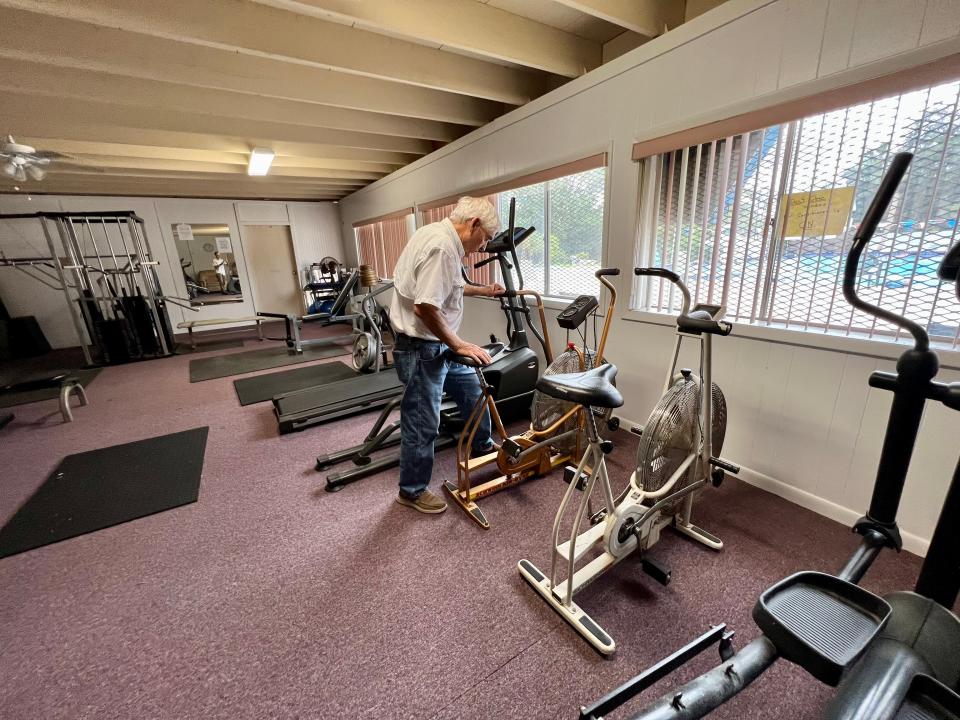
(802, 420)
(313, 226)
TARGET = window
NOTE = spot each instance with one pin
(762, 221)
(380, 242)
(569, 211)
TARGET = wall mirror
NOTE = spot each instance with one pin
(208, 263)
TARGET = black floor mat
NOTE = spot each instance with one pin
(210, 368)
(86, 377)
(183, 348)
(94, 490)
(265, 387)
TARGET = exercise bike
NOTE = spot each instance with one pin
(892, 658)
(675, 460)
(556, 434)
(512, 373)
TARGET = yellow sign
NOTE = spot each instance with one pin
(821, 212)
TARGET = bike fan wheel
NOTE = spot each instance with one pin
(672, 433)
(365, 351)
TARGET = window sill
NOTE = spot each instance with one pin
(829, 342)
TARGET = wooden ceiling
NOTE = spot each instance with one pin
(168, 97)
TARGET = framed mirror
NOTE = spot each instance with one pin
(208, 263)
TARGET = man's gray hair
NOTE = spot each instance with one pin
(471, 207)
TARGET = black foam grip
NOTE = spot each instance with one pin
(657, 272)
(607, 271)
(485, 261)
(687, 323)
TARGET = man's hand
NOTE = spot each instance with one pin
(470, 350)
(494, 289)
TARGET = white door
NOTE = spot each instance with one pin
(273, 269)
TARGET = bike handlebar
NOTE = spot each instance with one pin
(672, 277)
(700, 325)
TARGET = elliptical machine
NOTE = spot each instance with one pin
(512, 374)
(677, 457)
(893, 658)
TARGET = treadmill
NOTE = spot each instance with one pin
(313, 406)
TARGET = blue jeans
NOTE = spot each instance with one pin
(426, 376)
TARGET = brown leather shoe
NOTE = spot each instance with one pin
(426, 503)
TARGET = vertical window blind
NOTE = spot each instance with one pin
(380, 242)
(761, 221)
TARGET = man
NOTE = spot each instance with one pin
(426, 312)
(220, 268)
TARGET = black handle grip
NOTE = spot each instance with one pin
(699, 325)
(952, 396)
(485, 261)
(657, 272)
(607, 271)
(725, 465)
(883, 380)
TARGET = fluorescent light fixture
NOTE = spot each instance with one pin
(260, 160)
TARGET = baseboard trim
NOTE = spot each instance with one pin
(844, 515)
(912, 543)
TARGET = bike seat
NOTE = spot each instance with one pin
(593, 388)
(492, 349)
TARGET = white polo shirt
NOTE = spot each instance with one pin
(429, 272)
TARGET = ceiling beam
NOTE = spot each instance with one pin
(647, 17)
(211, 185)
(224, 177)
(19, 110)
(254, 29)
(108, 163)
(37, 79)
(69, 43)
(197, 193)
(79, 148)
(45, 129)
(122, 186)
(467, 25)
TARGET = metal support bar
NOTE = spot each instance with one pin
(77, 324)
(614, 699)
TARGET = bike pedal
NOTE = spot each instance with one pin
(659, 572)
(512, 448)
(569, 471)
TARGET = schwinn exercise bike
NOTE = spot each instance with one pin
(557, 431)
(675, 460)
(892, 658)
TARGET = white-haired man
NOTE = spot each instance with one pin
(426, 312)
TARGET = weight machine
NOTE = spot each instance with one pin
(103, 265)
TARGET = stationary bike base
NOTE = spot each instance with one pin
(573, 614)
(698, 534)
(469, 506)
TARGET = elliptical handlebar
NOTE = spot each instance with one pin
(871, 219)
(672, 277)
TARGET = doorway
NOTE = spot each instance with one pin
(273, 269)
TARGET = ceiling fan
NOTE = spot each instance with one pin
(20, 162)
